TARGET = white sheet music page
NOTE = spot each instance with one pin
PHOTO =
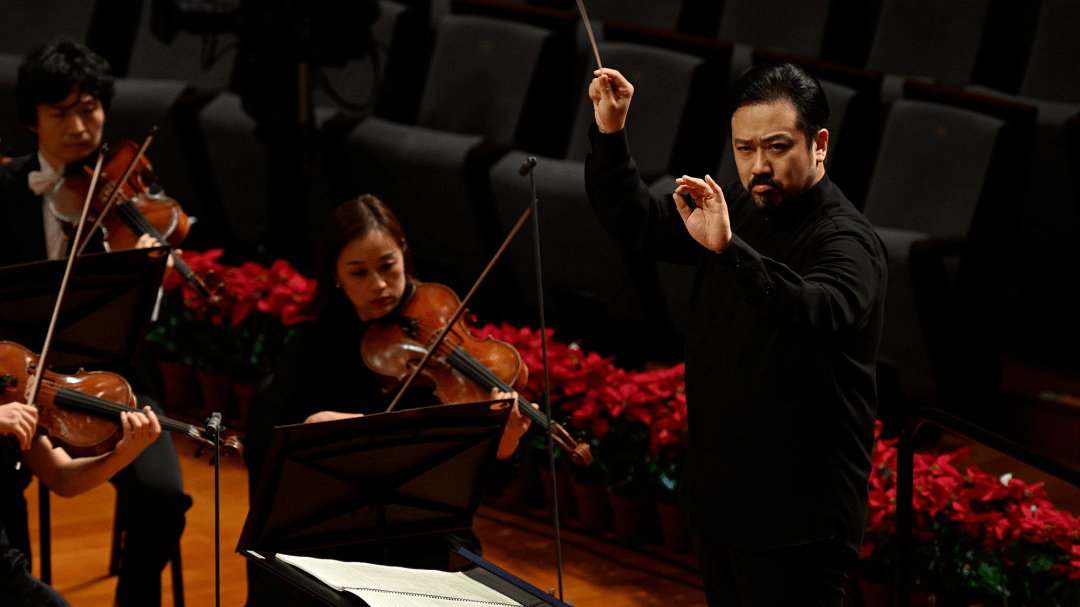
(383, 586)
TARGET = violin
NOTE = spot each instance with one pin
(464, 368)
(81, 412)
(143, 207)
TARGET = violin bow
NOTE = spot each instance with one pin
(35, 385)
(116, 191)
(460, 310)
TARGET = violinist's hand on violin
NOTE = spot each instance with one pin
(516, 426)
(139, 431)
(20, 422)
(610, 93)
(147, 241)
(709, 223)
(330, 416)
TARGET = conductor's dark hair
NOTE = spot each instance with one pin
(48, 74)
(780, 81)
(348, 221)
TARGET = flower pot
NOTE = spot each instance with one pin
(675, 528)
(877, 594)
(567, 507)
(636, 521)
(218, 394)
(523, 493)
(244, 392)
(593, 507)
(180, 383)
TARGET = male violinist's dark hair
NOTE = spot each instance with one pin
(768, 83)
(348, 221)
(48, 74)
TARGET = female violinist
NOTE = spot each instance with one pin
(363, 266)
(62, 95)
(62, 474)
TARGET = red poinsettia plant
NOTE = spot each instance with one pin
(634, 421)
(976, 536)
(242, 331)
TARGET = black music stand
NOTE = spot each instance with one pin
(372, 478)
(105, 313)
(378, 477)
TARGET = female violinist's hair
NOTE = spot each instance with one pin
(48, 74)
(348, 221)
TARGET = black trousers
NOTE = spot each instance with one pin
(810, 575)
(151, 503)
(17, 587)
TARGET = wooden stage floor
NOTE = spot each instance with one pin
(596, 571)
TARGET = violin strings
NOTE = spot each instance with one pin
(138, 222)
(93, 404)
(484, 376)
(475, 370)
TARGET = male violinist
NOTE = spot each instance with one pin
(62, 94)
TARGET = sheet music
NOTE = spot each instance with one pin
(383, 586)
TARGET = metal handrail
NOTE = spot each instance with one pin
(905, 472)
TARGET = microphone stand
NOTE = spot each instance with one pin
(214, 428)
(527, 169)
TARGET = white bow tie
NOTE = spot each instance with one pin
(44, 181)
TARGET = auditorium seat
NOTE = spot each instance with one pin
(594, 290)
(593, 286)
(15, 140)
(1047, 221)
(792, 26)
(28, 24)
(670, 108)
(481, 82)
(936, 174)
(238, 169)
(138, 106)
(1053, 67)
(935, 41)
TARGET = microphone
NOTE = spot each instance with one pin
(525, 168)
(213, 425)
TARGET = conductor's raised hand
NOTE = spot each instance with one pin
(708, 223)
(610, 93)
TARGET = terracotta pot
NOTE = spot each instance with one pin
(567, 506)
(593, 507)
(180, 383)
(244, 392)
(218, 394)
(877, 594)
(675, 528)
(523, 493)
(636, 521)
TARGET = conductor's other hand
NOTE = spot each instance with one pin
(610, 93)
(19, 421)
(708, 223)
